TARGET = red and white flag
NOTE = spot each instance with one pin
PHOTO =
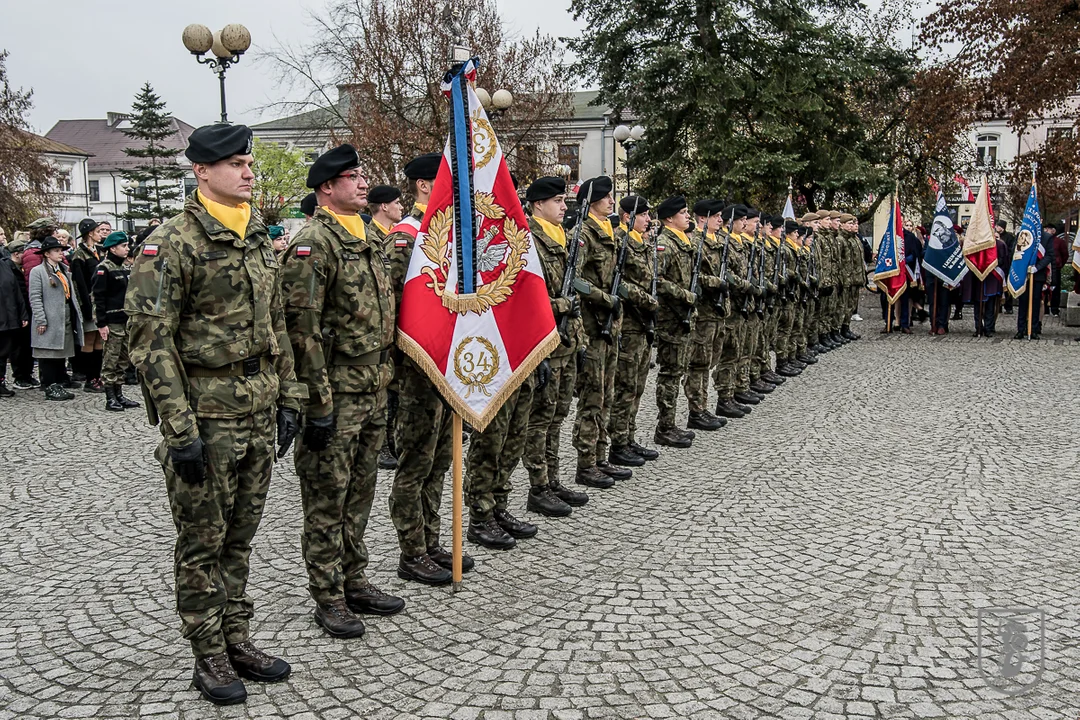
(475, 313)
(980, 244)
(965, 186)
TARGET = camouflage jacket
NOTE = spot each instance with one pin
(199, 296)
(713, 306)
(789, 262)
(340, 311)
(553, 257)
(598, 269)
(827, 257)
(399, 246)
(637, 276)
(676, 264)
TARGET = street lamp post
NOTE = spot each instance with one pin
(628, 138)
(495, 104)
(227, 46)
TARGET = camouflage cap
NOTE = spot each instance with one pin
(41, 222)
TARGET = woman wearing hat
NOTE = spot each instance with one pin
(84, 263)
(57, 320)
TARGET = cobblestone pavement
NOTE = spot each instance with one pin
(824, 558)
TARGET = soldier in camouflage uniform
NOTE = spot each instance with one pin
(635, 340)
(339, 305)
(551, 404)
(674, 319)
(596, 380)
(707, 339)
(422, 434)
(726, 374)
(745, 392)
(856, 272)
(786, 364)
(110, 288)
(207, 334)
(805, 295)
(772, 236)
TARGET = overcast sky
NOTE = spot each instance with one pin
(84, 58)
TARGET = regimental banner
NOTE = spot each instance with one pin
(1029, 249)
(943, 257)
(475, 313)
(891, 273)
(980, 243)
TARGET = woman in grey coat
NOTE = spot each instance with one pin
(56, 320)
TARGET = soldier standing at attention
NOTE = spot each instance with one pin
(635, 341)
(551, 404)
(726, 375)
(672, 329)
(207, 334)
(596, 383)
(110, 287)
(339, 305)
(422, 428)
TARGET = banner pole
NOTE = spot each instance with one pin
(888, 319)
(933, 306)
(458, 502)
(1030, 291)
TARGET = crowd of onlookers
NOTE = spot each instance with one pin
(47, 309)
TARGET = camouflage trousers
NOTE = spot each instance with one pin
(495, 452)
(810, 321)
(630, 376)
(425, 452)
(114, 360)
(726, 374)
(706, 349)
(797, 335)
(215, 523)
(749, 368)
(550, 408)
(785, 319)
(596, 391)
(672, 356)
(337, 487)
(769, 325)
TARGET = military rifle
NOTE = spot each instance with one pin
(745, 309)
(771, 303)
(570, 275)
(812, 269)
(759, 301)
(695, 275)
(650, 326)
(616, 279)
(723, 294)
(781, 257)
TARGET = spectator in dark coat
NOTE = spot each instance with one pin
(1061, 259)
(1042, 271)
(1010, 247)
(84, 262)
(14, 315)
(22, 359)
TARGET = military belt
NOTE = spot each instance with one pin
(240, 368)
(376, 357)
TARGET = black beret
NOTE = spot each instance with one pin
(753, 213)
(545, 188)
(670, 207)
(331, 164)
(383, 194)
(308, 204)
(425, 167)
(704, 208)
(790, 226)
(211, 143)
(627, 204)
(601, 188)
(733, 212)
(774, 220)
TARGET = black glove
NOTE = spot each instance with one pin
(575, 307)
(288, 425)
(318, 432)
(581, 360)
(722, 287)
(616, 307)
(543, 374)
(189, 462)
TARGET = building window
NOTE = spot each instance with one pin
(63, 181)
(95, 191)
(986, 147)
(570, 155)
(1058, 133)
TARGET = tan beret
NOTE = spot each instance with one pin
(810, 217)
(847, 217)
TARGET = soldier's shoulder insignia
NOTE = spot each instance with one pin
(303, 250)
(101, 271)
(401, 241)
(660, 247)
(150, 250)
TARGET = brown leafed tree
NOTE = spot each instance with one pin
(26, 177)
(388, 57)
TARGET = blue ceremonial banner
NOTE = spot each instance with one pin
(891, 275)
(943, 257)
(1028, 245)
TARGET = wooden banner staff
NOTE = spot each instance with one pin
(1030, 292)
(458, 490)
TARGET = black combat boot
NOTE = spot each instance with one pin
(671, 437)
(5, 391)
(573, 498)
(252, 663)
(111, 403)
(216, 679)
(837, 338)
(127, 403)
(517, 529)
(338, 620)
(787, 370)
(387, 461)
(748, 398)
(771, 377)
(643, 452)
(761, 387)
(369, 600)
(726, 407)
(423, 569)
(807, 359)
(613, 472)
(593, 477)
(444, 558)
(845, 331)
(488, 534)
(705, 420)
(542, 500)
(623, 455)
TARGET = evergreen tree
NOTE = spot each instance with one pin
(159, 176)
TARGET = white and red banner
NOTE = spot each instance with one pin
(475, 313)
(980, 243)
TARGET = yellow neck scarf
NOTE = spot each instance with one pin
(794, 245)
(353, 224)
(234, 218)
(679, 234)
(553, 231)
(634, 235)
(385, 231)
(605, 225)
(422, 207)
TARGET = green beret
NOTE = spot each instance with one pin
(115, 238)
(275, 231)
(211, 143)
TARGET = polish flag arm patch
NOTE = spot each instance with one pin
(303, 250)
(150, 250)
